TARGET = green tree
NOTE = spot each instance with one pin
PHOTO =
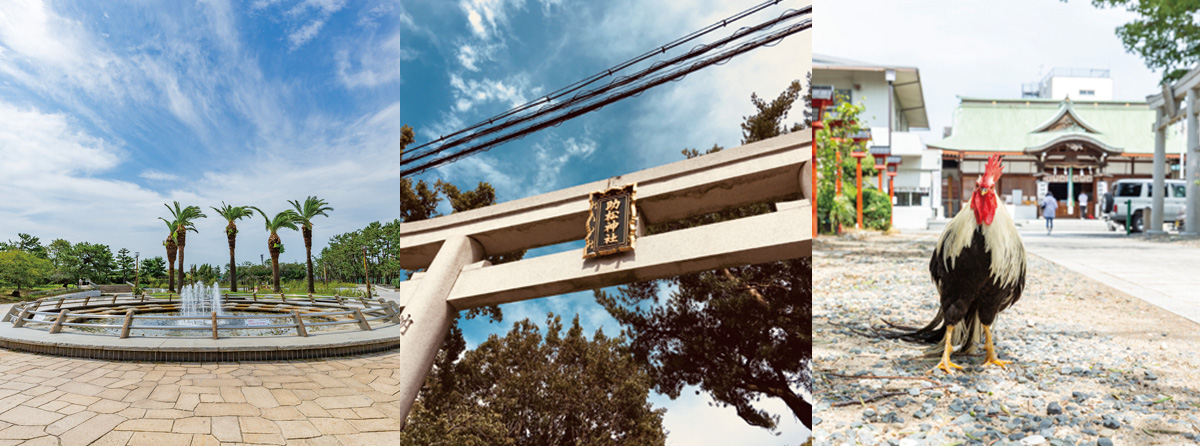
(27, 243)
(232, 214)
(1166, 35)
(96, 262)
(741, 333)
(834, 141)
(305, 213)
(526, 389)
(23, 269)
(125, 264)
(282, 220)
(154, 267)
(183, 218)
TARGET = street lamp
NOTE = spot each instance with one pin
(368, 271)
(860, 137)
(822, 96)
(137, 269)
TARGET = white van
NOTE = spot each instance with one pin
(1132, 195)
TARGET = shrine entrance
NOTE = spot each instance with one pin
(1072, 166)
(449, 249)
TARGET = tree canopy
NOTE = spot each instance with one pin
(23, 269)
(740, 334)
(529, 389)
(1166, 35)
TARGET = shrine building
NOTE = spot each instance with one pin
(1057, 145)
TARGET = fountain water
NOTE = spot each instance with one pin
(199, 300)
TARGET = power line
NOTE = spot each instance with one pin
(554, 113)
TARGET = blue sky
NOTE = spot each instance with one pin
(465, 61)
(111, 110)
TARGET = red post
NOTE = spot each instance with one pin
(858, 180)
(892, 197)
(813, 198)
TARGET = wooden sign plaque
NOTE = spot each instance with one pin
(612, 222)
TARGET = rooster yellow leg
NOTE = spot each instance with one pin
(946, 365)
(991, 350)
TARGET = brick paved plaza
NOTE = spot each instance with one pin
(48, 400)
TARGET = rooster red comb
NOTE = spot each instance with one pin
(991, 172)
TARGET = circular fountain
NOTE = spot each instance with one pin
(202, 323)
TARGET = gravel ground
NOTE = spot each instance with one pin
(1092, 365)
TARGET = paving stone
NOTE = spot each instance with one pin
(29, 416)
(368, 412)
(146, 425)
(223, 409)
(159, 439)
(114, 438)
(41, 441)
(282, 413)
(368, 439)
(332, 426)
(205, 440)
(231, 395)
(166, 393)
(74, 398)
(298, 429)
(108, 406)
(256, 425)
(187, 402)
(167, 413)
(285, 397)
(193, 425)
(226, 429)
(266, 439)
(344, 402)
(92, 429)
(312, 409)
(22, 432)
(72, 409)
(68, 422)
(80, 388)
(260, 397)
(379, 424)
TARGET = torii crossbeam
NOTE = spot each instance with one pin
(450, 248)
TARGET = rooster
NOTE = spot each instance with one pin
(978, 267)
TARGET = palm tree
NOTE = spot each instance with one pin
(183, 224)
(172, 248)
(285, 219)
(313, 207)
(232, 214)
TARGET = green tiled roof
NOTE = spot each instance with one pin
(1010, 125)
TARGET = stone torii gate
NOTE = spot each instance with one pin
(1169, 110)
(450, 248)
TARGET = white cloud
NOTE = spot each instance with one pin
(695, 419)
(470, 93)
(373, 64)
(551, 155)
(486, 17)
(301, 36)
(154, 175)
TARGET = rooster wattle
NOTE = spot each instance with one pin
(978, 267)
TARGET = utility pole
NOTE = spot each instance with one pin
(368, 271)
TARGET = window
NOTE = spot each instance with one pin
(1087, 92)
(909, 198)
(1180, 190)
(840, 96)
(1129, 189)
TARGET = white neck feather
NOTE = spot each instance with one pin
(1002, 239)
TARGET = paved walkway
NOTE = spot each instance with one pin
(50, 400)
(1164, 274)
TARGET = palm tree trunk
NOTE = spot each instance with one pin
(171, 250)
(231, 232)
(182, 236)
(272, 246)
(308, 256)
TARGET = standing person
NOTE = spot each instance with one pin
(1049, 209)
(1083, 209)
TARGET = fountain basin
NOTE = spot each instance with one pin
(241, 327)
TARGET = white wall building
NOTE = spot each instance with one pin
(1079, 84)
(890, 117)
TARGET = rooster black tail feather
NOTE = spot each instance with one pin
(931, 333)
